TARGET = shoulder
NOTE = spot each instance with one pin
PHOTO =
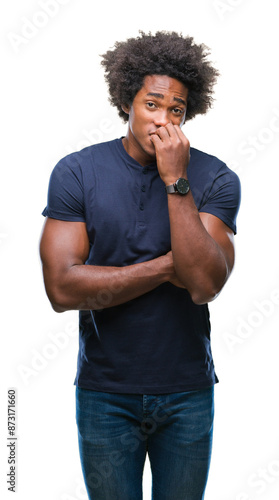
(208, 172)
(85, 156)
(209, 163)
(215, 187)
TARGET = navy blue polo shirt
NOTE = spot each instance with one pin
(160, 341)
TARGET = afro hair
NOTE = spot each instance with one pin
(165, 53)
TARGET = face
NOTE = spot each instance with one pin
(161, 100)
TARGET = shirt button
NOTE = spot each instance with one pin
(145, 171)
(143, 188)
(148, 425)
(141, 206)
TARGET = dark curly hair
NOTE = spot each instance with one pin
(165, 53)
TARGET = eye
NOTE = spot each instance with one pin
(178, 111)
(150, 105)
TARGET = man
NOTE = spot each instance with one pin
(139, 238)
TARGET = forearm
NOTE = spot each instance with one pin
(199, 261)
(202, 257)
(84, 287)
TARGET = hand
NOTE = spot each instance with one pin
(174, 279)
(172, 152)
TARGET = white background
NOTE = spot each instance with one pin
(54, 101)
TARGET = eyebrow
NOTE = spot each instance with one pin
(161, 96)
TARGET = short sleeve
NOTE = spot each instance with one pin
(224, 198)
(65, 200)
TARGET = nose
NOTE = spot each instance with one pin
(161, 118)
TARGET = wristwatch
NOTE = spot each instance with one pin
(181, 186)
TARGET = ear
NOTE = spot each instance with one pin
(125, 108)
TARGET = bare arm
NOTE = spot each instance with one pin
(203, 252)
(202, 245)
(70, 284)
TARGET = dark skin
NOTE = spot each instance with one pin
(202, 255)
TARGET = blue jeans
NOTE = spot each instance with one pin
(115, 432)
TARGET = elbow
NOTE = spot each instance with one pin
(59, 304)
(205, 294)
(57, 301)
(203, 298)
(57, 307)
(207, 289)
(58, 290)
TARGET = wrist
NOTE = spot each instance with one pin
(164, 265)
(181, 186)
(173, 178)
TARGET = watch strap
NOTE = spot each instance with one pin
(171, 189)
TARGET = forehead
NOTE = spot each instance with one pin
(165, 85)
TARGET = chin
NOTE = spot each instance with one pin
(151, 154)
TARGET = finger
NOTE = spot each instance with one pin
(155, 139)
(176, 134)
(180, 134)
(172, 130)
(162, 132)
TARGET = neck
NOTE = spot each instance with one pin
(136, 152)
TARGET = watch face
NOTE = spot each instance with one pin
(182, 186)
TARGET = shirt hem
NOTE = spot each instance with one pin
(60, 216)
(222, 217)
(162, 389)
